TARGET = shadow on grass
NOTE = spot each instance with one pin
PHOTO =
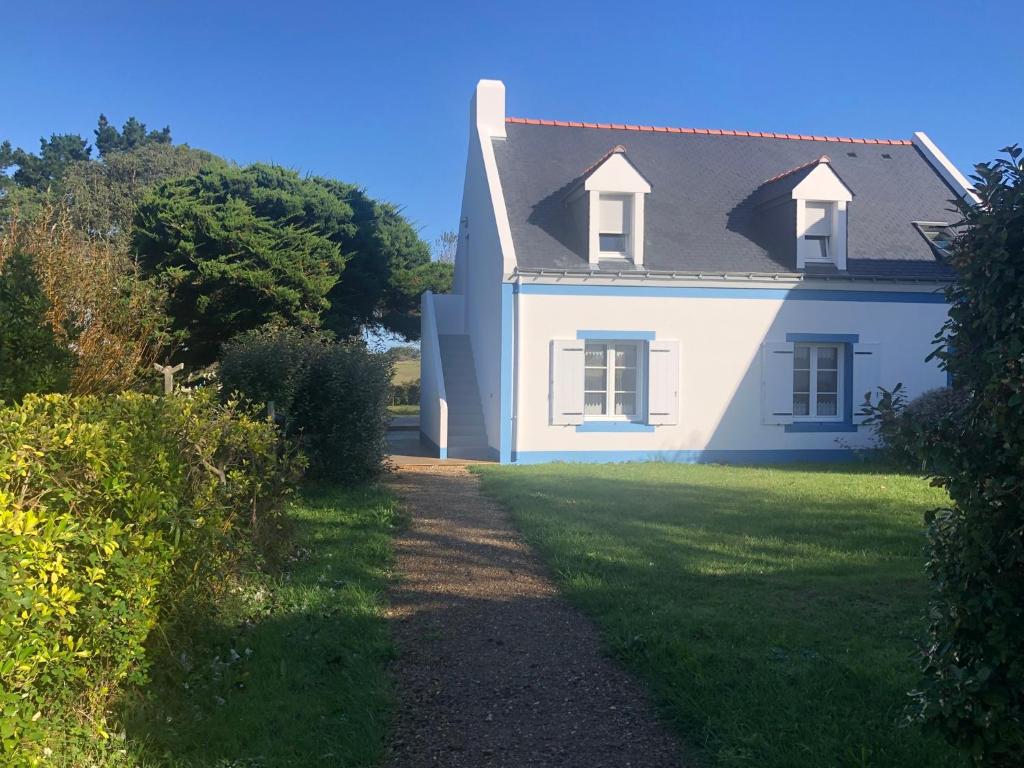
(292, 670)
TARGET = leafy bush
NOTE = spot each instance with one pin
(331, 398)
(974, 658)
(405, 394)
(117, 514)
(907, 431)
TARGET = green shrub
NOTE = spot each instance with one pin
(31, 359)
(330, 398)
(973, 689)
(907, 430)
(117, 514)
(405, 394)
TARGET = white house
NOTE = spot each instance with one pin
(630, 293)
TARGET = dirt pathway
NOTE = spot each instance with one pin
(494, 668)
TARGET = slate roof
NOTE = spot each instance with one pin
(701, 214)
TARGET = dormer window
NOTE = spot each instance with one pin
(939, 234)
(607, 206)
(818, 231)
(614, 227)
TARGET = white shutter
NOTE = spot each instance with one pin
(777, 383)
(663, 382)
(613, 215)
(818, 219)
(866, 375)
(567, 382)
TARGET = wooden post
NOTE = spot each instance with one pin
(168, 371)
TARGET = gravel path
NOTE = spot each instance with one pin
(494, 668)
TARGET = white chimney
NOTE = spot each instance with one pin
(487, 109)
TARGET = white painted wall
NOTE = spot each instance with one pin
(720, 350)
(485, 255)
(433, 400)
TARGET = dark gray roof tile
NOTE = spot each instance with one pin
(700, 215)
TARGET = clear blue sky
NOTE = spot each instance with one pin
(377, 92)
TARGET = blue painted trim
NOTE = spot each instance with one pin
(789, 294)
(821, 426)
(614, 426)
(442, 453)
(846, 425)
(839, 338)
(616, 335)
(507, 329)
(768, 456)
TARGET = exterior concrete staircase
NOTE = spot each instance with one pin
(467, 436)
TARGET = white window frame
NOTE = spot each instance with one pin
(829, 239)
(609, 391)
(627, 226)
(812, 404)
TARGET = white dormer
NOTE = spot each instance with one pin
(609, 208)
(821, 217)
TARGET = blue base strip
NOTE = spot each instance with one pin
(442, 453)
(769, 456)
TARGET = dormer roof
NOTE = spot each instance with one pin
(706, 187)
(612, 172)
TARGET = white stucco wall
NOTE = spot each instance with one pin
(433, 399)
(721, 379)
(485, 254)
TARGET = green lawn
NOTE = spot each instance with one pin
(404, 410)
(294, 672)
(772, 613)
(406, 371)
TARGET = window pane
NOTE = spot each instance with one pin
(822, 247)
(594, 354)
(801, 405)
(625, 404)
(801, 381)
(827, 357)
(625, 354)
(827, 405)
(828, 381)
(613, 243)
(625, 379)
(595, 380)
(593, 404)
(802, 356)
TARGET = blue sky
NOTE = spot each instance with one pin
(377, 93)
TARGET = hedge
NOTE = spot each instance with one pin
(117, 514)
(330, 398)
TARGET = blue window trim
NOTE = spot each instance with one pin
(847, 340)
(614, 426)
(787, 294)
(616, 335)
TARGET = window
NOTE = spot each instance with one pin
(817, 369)
(611, 380)
(940, 235)
(613, 231)
(818, 231)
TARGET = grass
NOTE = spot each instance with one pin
(772, 613)
(404, 410)
(293, 672)
(406, 371)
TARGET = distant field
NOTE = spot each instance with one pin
(406, 371)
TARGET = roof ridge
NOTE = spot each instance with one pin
(704, 131)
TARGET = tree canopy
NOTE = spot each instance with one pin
(237, 248)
